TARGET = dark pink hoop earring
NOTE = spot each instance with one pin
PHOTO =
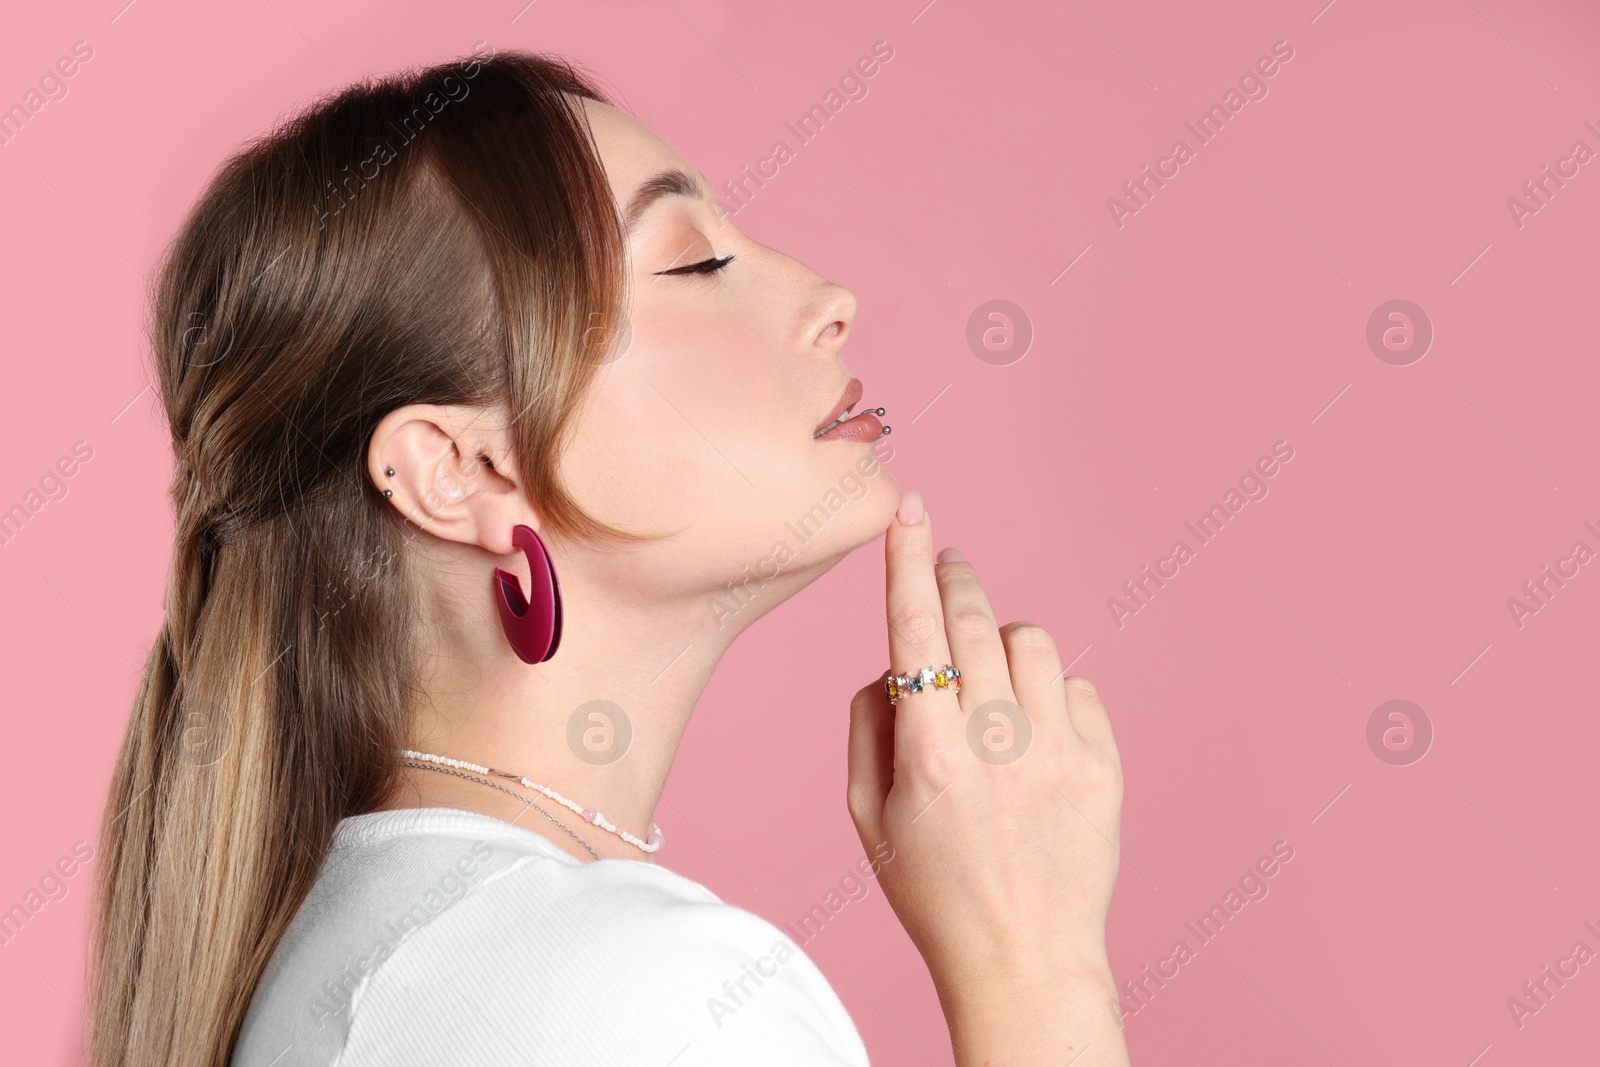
(532, 623)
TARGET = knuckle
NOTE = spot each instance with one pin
(1091, 772)
(955, 571)
(1078, 685)
(1097, 775)
(1111, 761)
(1030, 641)
(910, 550)
(917, 623)
(955, 576)
(971, 622)
(932, 763)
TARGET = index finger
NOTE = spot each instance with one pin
(914, 610)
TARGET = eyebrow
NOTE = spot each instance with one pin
(673, 182)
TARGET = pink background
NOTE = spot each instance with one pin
(1229, 313)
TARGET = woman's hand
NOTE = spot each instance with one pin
(1002, 808)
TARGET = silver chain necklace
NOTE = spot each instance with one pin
(508, 792)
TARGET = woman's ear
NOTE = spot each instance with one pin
(448, 469)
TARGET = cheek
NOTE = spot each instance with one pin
(717, 368)
(676, 432)
(719, 392)
(624, 462)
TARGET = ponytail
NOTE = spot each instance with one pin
(276, 695)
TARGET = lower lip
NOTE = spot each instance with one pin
(862, 427)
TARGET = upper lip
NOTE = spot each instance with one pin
(851, 397)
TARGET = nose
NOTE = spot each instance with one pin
(836, 312)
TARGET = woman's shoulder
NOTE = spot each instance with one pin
(442, 936)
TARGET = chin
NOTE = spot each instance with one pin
(812, 533)
(844, 500)
(851, 503)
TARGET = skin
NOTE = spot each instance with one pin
(1003, 868)
(702, 428)
(1001, 874)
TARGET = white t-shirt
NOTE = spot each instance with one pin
(439, 937)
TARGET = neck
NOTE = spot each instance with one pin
(599, 722)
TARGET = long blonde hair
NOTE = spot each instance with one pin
(442, 235)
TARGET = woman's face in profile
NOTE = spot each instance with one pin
(703, 419)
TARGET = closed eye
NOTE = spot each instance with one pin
(705, 266)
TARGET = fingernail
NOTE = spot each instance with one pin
(910, 512)
(950, 555)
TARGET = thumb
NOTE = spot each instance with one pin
(871, 760)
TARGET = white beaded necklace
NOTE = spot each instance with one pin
(588, 815)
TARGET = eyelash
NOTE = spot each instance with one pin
(707, 266)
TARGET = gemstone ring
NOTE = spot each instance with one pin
(899, 685)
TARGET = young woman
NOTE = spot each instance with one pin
(478, 401)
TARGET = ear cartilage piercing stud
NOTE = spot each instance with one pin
(390, 472)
